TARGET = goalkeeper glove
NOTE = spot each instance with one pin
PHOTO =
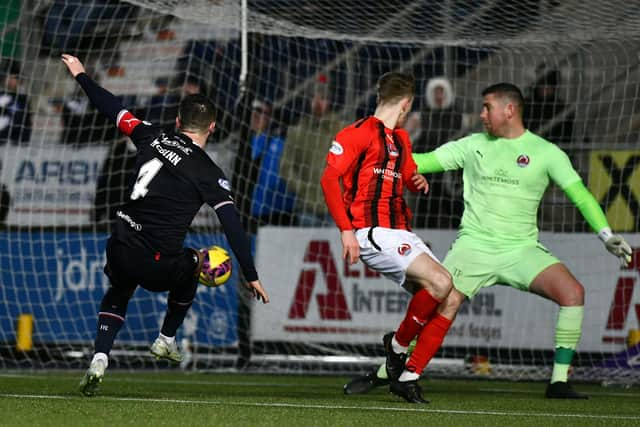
(616, 244)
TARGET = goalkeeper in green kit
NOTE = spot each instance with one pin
(506, 171)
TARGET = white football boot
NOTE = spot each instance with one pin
(94, 375)
(162, 349)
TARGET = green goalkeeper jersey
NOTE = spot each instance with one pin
(504, 181)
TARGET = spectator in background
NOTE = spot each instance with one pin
(189, 84)
(271, 202)
(304, 156)
(544, 105)
(5, 200)
(15, 115)
(113, 185)
(440, 120)
(160, 24)
(162, 107)
(213, 61)
(82, 122)
(5, 203)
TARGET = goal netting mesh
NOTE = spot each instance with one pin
(286, 75)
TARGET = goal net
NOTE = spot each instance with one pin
(286, 76)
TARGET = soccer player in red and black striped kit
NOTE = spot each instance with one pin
(175, 177)
(372, 160)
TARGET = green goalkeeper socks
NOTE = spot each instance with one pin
(382, 372)
(568, 330)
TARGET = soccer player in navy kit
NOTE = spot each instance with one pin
(175, 177)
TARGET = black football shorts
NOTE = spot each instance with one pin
(128, 267)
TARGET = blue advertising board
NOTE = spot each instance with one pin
(57, 277)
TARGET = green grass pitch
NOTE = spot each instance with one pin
(183, 399)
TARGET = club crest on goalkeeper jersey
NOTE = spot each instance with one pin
(504, 181)
(374, 162)
(174, 178)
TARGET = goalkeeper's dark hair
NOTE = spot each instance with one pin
(196, 112)
(508, 91)
(394, 86)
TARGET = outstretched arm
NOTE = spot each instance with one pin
(241, 247)
(591, 211)
(427, 162)
(104, 101)
(449, 156)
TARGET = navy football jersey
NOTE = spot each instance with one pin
(174, 178)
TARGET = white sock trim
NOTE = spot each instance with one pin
(397, 348)
(166, 339)
(101, 356)
(408, 376)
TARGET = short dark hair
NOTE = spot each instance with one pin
(393, 86)
(196, 112)
(506, 90)
(10, 67)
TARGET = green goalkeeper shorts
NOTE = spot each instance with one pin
(473, 265)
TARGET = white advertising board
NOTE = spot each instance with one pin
(315, 297)
(50, 186)
(55, 185)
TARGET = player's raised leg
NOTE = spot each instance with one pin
(179, 301)
(165, 345)
(558, 284)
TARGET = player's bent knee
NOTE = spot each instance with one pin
(571, 295)
(441, 283)
(449, 307)
(184, 293)
(425, 273)
(576, 295)
(115, 300)
(455, 298)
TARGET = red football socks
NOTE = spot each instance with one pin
(420, 309)
(429, 342)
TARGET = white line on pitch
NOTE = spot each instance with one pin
(593, 393)
(164, 381)
(631, 393)
(330, 407)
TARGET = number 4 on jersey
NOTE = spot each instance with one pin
(147, 172)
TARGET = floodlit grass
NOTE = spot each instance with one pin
(179, 399)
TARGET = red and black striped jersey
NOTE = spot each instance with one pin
(375, 164)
